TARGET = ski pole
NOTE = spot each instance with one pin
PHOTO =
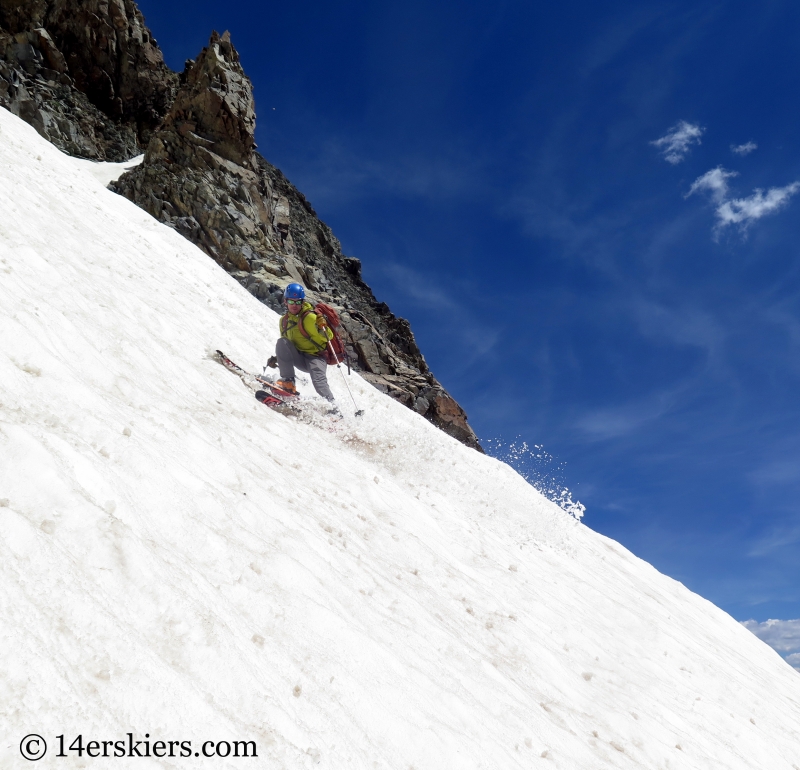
(359, 412)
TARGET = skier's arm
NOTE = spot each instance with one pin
(318, 336)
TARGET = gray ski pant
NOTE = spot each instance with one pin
(290, 358)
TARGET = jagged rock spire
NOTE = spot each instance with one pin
(214, 106)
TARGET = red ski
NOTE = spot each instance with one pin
(266, 391)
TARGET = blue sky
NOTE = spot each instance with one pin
(494, 167)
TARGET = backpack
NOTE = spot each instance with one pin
(335, 353)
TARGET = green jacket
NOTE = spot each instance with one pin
(316, 341)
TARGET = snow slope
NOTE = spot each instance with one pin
(179, 561)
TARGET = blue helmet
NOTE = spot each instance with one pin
(294, 291)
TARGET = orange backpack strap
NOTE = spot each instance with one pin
(300, 318)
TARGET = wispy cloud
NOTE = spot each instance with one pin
(785, 471)
(337, 172)
(682, 325)
(740, 211)
(715, 182)
(459, 315)
(777, 539)
(617, 421)
(743, 211)
(744, 149)
(677, 142)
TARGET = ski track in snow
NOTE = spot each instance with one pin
(176, 559)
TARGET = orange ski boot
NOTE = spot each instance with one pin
(287, 385)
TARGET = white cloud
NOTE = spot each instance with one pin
(744, 149)
(676, 143)
(715, 182)
(781, 635)
(740, 211)
(794, 660)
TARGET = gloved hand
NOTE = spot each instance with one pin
(272, 362)
(322, 322)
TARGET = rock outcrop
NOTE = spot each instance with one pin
(86, 74)
(91, 79)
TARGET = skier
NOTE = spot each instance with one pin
(304, 338)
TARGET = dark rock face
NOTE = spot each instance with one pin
(201, 175)
(89, 77)
(115, 60)
(85, 73)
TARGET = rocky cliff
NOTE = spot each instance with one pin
(91, 79)
(86, 74)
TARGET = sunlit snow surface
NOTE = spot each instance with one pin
(106, 173)
(178, 560)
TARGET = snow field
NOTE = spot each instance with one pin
(179, 560)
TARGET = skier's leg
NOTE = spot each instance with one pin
(318, 369)
(289, 357)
